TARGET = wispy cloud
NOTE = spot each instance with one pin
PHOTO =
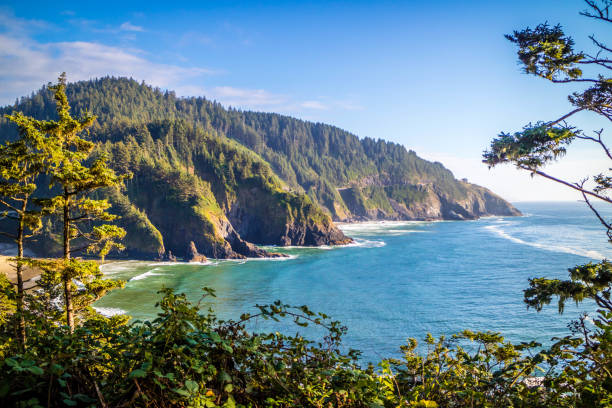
(194, 38)
(245, 98)
(314, 105)
(26, 64)
(94, 26)
(127, 26)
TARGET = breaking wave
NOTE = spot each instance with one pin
(152, 272)
(553, 248)
(109, 311)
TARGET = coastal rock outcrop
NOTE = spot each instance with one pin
(193, 255)
(407, 201)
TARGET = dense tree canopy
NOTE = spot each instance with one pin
(311, 157)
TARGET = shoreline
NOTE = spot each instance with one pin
(31, 275)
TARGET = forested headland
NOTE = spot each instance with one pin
(225, 179)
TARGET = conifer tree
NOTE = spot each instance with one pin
(21, 163)
(546, 51)
(83, 218)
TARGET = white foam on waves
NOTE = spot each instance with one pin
(109, 311)
(283, 258)
(553, 248)
(145, 275)
(393, 228)
(366, 243)
(113, 268)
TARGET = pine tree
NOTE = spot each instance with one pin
(21, 163)
(82, 217)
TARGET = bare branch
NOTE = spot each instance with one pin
(599, 217)
(82, 217)
(599, 44)
(9, 206)
(601, 62)
(568, 80)
(562, 118)
(598, 141)
(570, 185)
(596, 12)
(80, 249)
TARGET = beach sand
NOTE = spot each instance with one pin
(29, 274)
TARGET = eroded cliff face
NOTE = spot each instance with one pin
(190, 217)
(374, 200)
(282, 218)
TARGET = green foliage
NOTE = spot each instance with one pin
(22, 162)
(184, 358)
(547, 52)
(470, 369)
(64, 154)
(91, 282)
(7, 299)
(531, 148)
(579, 364)
(590, 281)
(188, 357)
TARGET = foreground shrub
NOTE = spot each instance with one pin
(185, 358)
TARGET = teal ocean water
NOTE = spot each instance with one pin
(399, 280)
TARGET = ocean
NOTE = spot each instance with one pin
(399, 279)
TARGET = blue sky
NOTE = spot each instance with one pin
(436, 76)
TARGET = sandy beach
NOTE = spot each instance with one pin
(7, 268)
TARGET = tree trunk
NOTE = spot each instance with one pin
(19, 269)
(67, 280)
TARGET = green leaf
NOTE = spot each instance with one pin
(225, 377)
(230, 403)
(11, 363)
(138, 373)
(36, 370)
(182, 392)
(191, 386)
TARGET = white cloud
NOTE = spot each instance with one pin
(246, 98)
(26, 64)
(314, 105)
(127, 26)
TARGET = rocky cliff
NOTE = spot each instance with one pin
(214, 182)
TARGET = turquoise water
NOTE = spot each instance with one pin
(400, 279)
